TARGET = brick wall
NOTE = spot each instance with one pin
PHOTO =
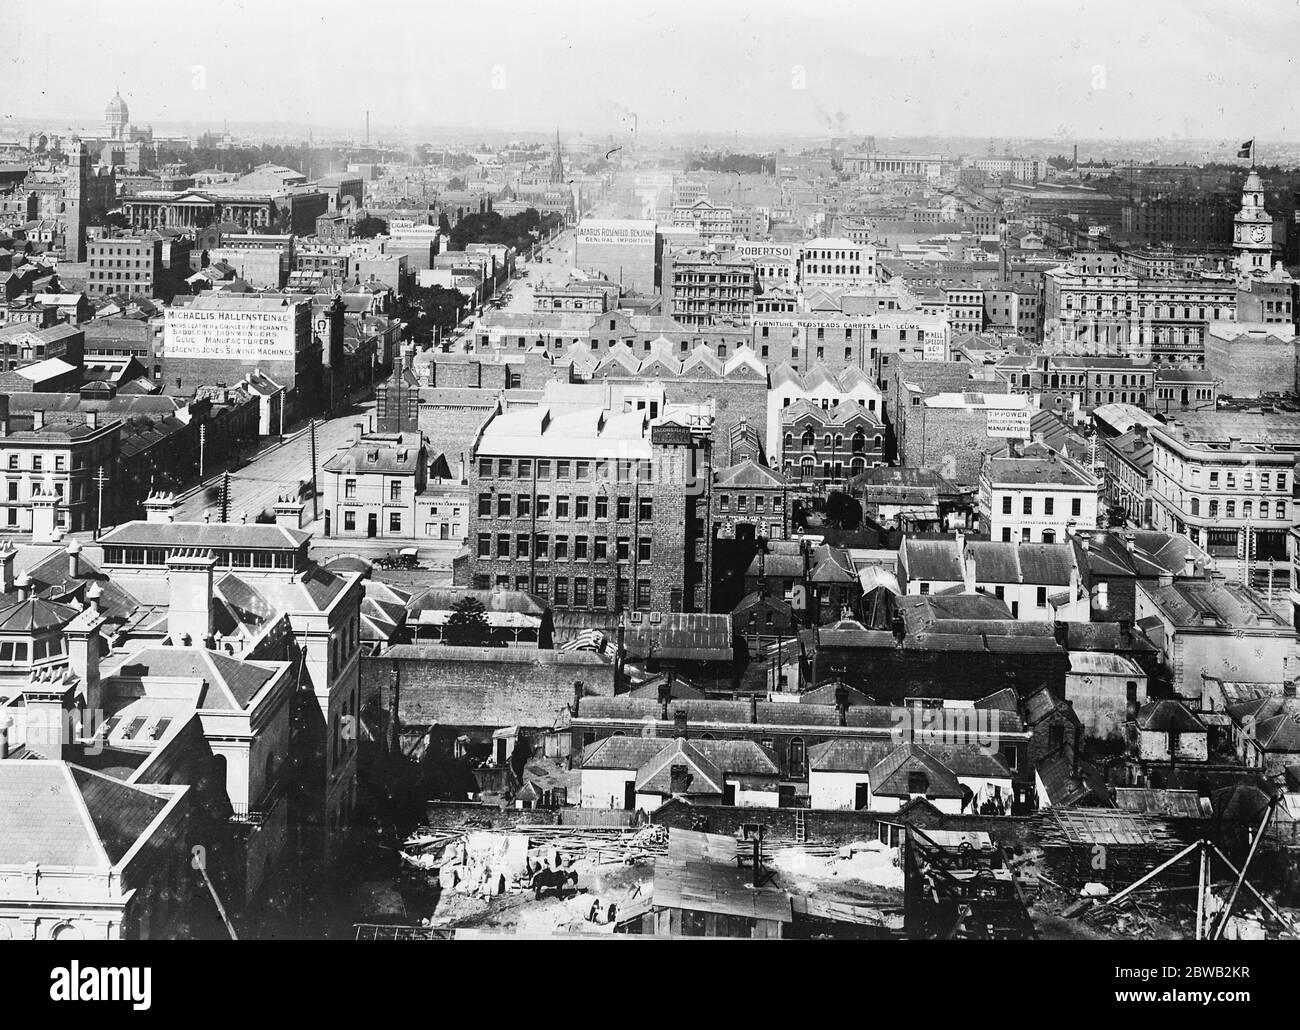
(1249, 366)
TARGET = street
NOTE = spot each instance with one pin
(258, 485)
(560, 251)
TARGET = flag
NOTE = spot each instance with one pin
(1247, 149)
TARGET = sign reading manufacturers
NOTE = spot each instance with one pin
(1012, 423)
(627, 233)
(231, 335)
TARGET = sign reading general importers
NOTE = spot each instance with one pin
(230, 335)
(1009, 422)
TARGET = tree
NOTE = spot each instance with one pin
(468, 625)
(369, 227)
(842, 511)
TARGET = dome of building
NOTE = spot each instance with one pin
(116, 113)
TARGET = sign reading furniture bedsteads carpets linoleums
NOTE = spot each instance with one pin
(258, 336)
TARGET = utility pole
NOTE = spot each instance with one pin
(100, 480)
(203, 439)
(315, 514)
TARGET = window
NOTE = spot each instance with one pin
(1006, 505)
(503, 505)
(1076, 506)
(484, 544)
(523, 505)
(1048, 504)
(1041, 597)
(350, 488)
(580, 548)
(349, 517)
(394, 521)
(562, 506)
(1029, 505)
(600, 548)
(602, 507)
(543, 507)
(623, 549)
(646, 509)
(561, 591)
(506, 468)
(643, 549)
(521, 545)
(624, 508)
(395, 491)
(484, 506)
(503, 545)
(643, 594)
(561, 548)
(542, 545)
(581, 507)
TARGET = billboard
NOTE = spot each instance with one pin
(1012, 423)
(625, 232)
(231, 335)
(749, 251)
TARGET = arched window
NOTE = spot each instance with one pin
(859, 442)
(826, 440)
(808, 439)
(789, 439)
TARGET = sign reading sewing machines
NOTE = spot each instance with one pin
(231, 334)
(1012, 423)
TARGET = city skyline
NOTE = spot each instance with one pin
(833, 69)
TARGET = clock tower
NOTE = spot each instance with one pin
(1253, 229)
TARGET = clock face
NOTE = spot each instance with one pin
(1257, 234)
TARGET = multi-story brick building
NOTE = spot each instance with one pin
(1123, 314)
(148, 265)
(836, 262)
(594, 510)
(749, 501)
(873, 343)
(1226, 480)
(831, 444)
(1036, 498)
(57, 461)
(373, 485)
(703, 288)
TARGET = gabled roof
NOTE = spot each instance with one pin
(656, 776)
(847, 755)
(256, 536)
(890, 777)
(748, 474)
(1166, 716)
(57, 814)
(231, 683)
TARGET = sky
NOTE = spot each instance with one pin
(1132, 69)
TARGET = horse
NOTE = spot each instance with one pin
(552, 879)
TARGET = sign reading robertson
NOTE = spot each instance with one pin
(613, 230)
(752, 251)
(232, 335)
(1008, 422)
